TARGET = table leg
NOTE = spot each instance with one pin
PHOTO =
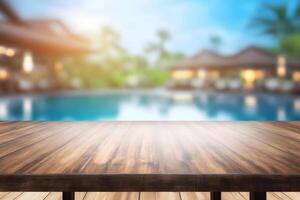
(68, 196)
(215, 195)
(258, 195)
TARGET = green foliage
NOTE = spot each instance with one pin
(291, 45)
(283, 23)
(157, 77)
(277, 21)
(114, 67)
(158, 48)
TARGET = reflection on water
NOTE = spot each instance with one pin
(182, 97)
(151, 106)
(27, 108)
(250, 101)
(3, 110)
(297, 105)
(281, 114)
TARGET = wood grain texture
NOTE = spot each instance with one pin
(112, 196)
(12, 196)
(150, 156)
(159, 196)
(149, 196)
(33, 195)
(195, 195)
(149, 182)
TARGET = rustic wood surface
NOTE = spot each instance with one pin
(150, 153)
(142, 196)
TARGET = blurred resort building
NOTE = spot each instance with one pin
(252, 68)
(40, 46)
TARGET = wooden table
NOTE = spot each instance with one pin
(150, 156)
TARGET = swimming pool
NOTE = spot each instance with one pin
(133, 105)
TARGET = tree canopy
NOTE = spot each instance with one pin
(277, 20)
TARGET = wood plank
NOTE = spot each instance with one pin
(150, 156)
(234, 196)
(149, 182)
(240, 196)
(273, 196)
(159, 196)
(58, 196)
(38, 196)
(195, 195)
(293, 195)
(32, 196)
(53, 196)
(149, 196)
(206, 196)
(244, 195)
(112, 196)
(153, 142)
(10, 131)
(80, 195)
(12, 196)
(281, 195)
(2, 194)
(23, 138)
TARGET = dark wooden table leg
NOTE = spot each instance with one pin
(215, 195)
(68, 196)
(258, 195)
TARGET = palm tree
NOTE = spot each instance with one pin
(109, 41)
(159, 47)
(163, 35)
(163, 57)
(277, 20)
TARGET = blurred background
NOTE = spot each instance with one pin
(149, 60)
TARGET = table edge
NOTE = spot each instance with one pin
(149, 182)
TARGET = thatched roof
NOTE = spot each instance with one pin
(42, 36)
(253, 57)
(29, 38)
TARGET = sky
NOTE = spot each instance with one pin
(191, 22)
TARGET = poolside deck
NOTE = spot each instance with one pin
(142, 196)
(256, 157)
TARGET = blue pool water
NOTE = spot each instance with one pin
(150, 106)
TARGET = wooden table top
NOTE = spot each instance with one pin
(144, 154)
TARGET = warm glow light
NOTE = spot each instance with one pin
(7, 51)
(260, 74)
(281, 60)
(2, 50)
(249, 76)
(281, 71)
(297, 104)
(214, 75)
(182, 74)
(58, 66)
(3, 74)
(10, 52)
(281, 66)
(296, 76)
(27, 62)
(201, 74)
(250, 101)
(182, 98)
